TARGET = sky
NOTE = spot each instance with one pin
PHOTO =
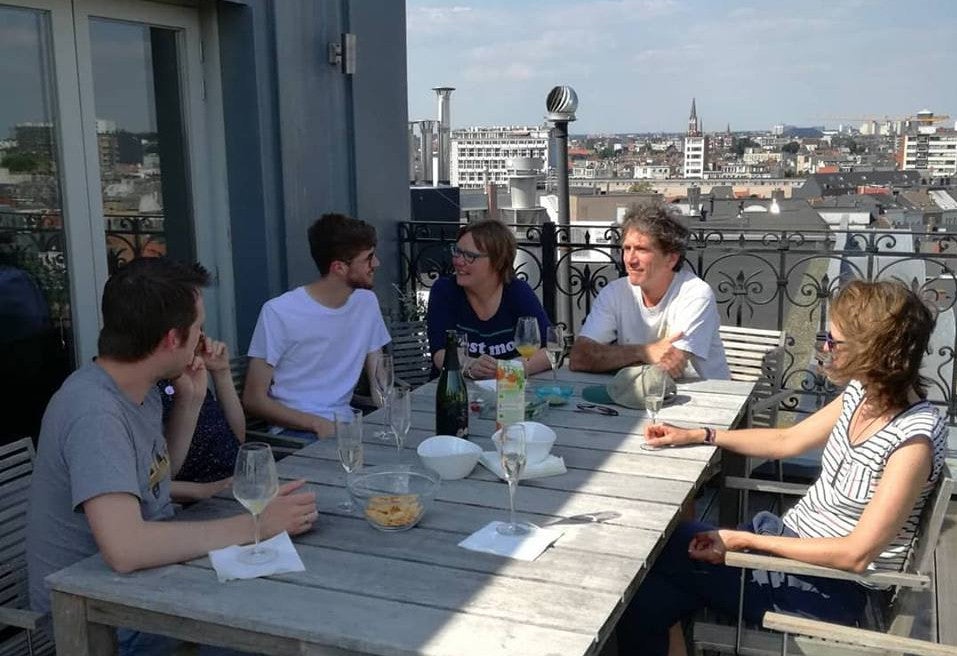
(636, 64)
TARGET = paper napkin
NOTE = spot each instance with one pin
(550, 466)
(522, 547)
(228, 566)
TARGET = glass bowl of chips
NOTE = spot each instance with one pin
(393, 497)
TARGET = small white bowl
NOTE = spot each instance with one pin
(539, 439)
(448, 456)
(487, 390)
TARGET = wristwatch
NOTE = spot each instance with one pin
(709, 435)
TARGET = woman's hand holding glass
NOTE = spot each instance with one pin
(401, 416)
(662, 435)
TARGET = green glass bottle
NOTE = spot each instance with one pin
(451, 395)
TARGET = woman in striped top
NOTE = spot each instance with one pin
(883, 452)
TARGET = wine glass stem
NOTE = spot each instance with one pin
(256, 532)
(554, 373)
(512, 484)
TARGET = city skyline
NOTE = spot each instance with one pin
(636, 64)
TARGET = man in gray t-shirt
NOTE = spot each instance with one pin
(94, 440)
(104, 462)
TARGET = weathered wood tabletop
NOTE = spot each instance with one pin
(417, 592)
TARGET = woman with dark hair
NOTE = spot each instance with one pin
(484, 300)
(220, 426)
(884, 449)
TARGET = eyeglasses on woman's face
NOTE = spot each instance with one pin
(468, 256)
(830, 342)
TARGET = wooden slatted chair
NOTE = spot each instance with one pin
(896, 618)
(757, 355)
(18, 624)
(410, 352)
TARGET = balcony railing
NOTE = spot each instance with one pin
(763, 279)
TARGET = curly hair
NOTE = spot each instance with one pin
(497, 240)
(887, 328)
(661, 223)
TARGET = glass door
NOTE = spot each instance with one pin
(37, 330)
(110, 149)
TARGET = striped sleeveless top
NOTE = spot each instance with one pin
(850, 475)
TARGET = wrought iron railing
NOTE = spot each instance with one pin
(779, 279)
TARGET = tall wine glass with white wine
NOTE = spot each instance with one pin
(511, 443)
(555, 347)
(255, 483)
(349, 444)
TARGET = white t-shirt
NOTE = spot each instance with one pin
(317, 352)
(619, 315)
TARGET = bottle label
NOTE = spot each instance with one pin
(510, 393)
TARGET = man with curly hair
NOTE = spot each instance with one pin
(660, 313)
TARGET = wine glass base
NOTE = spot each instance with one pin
(257, 555)
(384, 436)
(516, 529)
(346, 507)
(644, 446)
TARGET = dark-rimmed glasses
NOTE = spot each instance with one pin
(830, 342)
(468, 256)
(598, 409)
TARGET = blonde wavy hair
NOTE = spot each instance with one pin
(886, 328)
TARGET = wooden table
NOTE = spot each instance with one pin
(417, 592)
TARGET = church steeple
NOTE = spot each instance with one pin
(694, 127)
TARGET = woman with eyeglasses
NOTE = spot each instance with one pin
(884, 447)
(484, 300)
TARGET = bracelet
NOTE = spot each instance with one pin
(709, 435)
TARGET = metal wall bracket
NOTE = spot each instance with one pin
(343, 53)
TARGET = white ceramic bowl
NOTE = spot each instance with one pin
(539, 439)
(448, 456)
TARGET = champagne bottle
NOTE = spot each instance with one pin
(451, 396)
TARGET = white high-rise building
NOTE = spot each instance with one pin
(476, 150)
(696, 147)
(930, 149)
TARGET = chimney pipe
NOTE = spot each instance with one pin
(443, 95)
(425, 150)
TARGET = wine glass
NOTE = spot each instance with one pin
(554, 346)
(383, 379)
(255, 483)
(527, 337)
(653, 389)
(349, 444)
(400, 417)
(512, 451)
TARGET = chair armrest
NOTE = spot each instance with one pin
(861, 637)
(758, 485)
(788, 566)
(277, 442)
(768, 402)
(20, 618)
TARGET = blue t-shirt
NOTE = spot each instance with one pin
(449, 309)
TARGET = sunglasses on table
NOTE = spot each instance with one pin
(597, 409)
(468, 256)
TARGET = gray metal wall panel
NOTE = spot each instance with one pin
(380, 118)
(252, 159)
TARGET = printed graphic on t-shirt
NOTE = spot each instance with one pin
(159, 469)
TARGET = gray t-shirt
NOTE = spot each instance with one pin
(94, 440)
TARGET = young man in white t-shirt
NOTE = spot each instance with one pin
(660, 313)
(310, 344)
